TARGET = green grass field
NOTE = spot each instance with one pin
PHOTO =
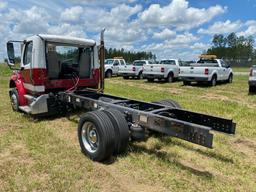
(44, 155)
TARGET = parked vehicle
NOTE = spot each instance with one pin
(134, 70)
(252, 79)
(63, 74)
(207, 69)
(167, 69)
(112, 66)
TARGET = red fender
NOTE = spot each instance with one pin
(16, 77)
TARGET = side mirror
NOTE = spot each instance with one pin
(10, 54)
(228, 66)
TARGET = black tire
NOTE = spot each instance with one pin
(105, 135)
(230, 78)
(121, 130)
(169, 78)
(169, 103)
(14, 97)
(108, 74)
(213, 81)
(150, 79)
(125, 77)
(186, 83)
(252, 89)
(140, 76)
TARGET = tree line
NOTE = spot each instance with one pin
(129, 56)
(235, 50)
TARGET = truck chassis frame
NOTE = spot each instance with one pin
(180, 123)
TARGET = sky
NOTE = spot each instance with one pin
(179, 29)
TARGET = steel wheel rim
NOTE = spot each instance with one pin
(90, 137)
(14, 101)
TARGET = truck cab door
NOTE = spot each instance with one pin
(225, 70)
(115, 66)
(27, 63)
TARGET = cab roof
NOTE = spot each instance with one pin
(67, 39)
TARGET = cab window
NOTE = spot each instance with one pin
(116, 63)
(168, 62)
(223, 64)
(122, 62)
(28, 54)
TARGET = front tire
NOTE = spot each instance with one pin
(14, 97)
(108, 74)
(230, 78)
(125, 77)
(96, 135)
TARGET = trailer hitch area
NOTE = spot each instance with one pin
(215, 123)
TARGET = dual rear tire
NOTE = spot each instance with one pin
(102, 134)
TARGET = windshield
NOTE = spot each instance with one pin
(139, 63)
(109, 61)
(168, 62)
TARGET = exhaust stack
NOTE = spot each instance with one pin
(102, 59)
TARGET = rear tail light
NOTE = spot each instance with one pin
(206, 71)
(162, 69)
(133, 69)
(251, 72)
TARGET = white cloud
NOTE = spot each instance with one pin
(251, 29)
(31, 21)
(118, 23)
(179, 14)
(3, 4)
(222, 27)
(183, 39)
(67, 29)
(164, 34)
(72, 14)
(200, 46)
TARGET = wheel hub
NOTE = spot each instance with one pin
(14, 101)
(90, 137)
(93, 136)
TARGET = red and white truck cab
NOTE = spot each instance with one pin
(50, 64)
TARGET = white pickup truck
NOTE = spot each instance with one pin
(252, 79)
(112, 66)
(167, 69)
(208, 70)
(134, 70)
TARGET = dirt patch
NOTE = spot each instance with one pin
(214, 96)
(246, 143)
(112, 179)
(15, 153)
(246, 147)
